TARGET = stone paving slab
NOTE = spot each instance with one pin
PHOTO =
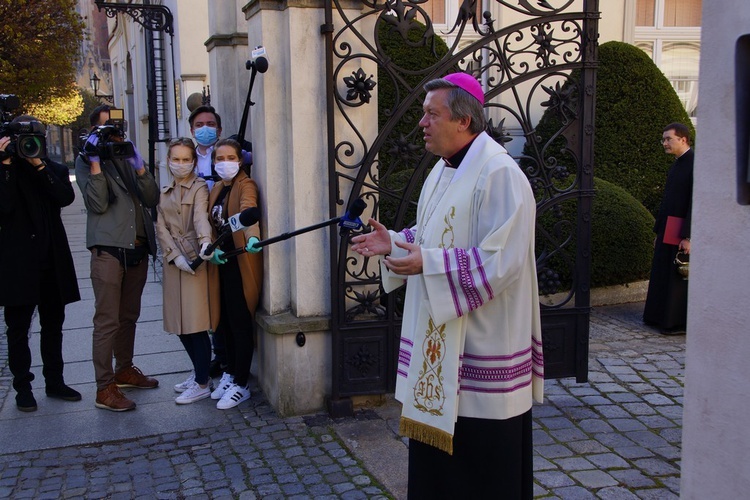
(617, 436)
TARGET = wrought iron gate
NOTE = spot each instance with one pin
(545, 62)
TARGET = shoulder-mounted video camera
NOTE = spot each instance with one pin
(27, 138)
(111, 144)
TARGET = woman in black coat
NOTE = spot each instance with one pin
(36, 268)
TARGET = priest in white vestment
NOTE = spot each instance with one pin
(470, 358)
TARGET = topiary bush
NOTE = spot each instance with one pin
(621, 241)
(634, 102)
(404, 144)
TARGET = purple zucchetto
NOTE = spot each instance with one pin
(468, 83)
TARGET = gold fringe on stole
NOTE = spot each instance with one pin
(425, 434)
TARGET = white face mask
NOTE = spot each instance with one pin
(181, 170)
(227, 169)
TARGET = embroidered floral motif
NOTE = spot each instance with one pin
(429, 394)
(448, 229)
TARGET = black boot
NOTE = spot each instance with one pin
(25, 401)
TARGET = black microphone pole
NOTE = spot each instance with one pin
(285, 236)
(260, 65)
(225, 232)
(348, 221)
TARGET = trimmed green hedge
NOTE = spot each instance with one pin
(621, 241)
(401, 152)
(634, 102)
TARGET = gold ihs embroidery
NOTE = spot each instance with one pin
(429, 393)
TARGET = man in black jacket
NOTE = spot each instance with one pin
(36, 268)
(666, 301)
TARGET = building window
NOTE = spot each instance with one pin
(669, 32)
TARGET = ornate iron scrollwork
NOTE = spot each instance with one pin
(151, 17)
(387, 164)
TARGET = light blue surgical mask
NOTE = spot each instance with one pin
(206, 135)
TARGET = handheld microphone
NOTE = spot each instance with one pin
(350, 220)
(244, 219)
(236, 222)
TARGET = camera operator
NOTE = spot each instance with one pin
(117, 192)
(36, 267)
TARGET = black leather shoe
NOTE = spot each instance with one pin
(63, 392)
(25, 401)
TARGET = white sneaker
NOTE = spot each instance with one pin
(194, 393)
(225, 383)
(233, 396)
(184, 386)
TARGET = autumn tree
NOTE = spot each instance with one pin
(39, 45)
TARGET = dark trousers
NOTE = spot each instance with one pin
(117, 303)
(492, 459)
(51, 318)
(236, 323)
(666, 300)
(198, 347)
(219, 347)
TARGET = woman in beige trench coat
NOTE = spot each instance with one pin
(191, 297)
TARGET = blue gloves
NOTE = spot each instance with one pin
(217, 258)
(91, 148)
(250, 245)
(136, 161)
(247, 157)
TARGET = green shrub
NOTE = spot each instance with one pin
(621, 240)
(404, 144)
(634, 102)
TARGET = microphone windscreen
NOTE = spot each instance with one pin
(261, 64)
(249, 216)
(357, 208)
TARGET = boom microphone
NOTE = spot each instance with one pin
(350, 220)
(258, 61)
(261, 64)
(258, 64)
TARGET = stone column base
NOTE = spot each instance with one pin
(295, 379)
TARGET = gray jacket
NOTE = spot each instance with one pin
(110, 209)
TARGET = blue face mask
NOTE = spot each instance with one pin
(206, 135)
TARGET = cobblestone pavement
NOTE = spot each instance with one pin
(614, 437)
(617, 436)
(252, 454)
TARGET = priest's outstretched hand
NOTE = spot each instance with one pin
(376, 242)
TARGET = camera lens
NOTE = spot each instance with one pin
(30, 146)
(121, 150)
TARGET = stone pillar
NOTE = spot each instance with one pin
(289, 138)
(227, 54)
(715, 436)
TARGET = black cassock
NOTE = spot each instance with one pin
(666, 302)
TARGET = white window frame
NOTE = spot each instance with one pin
(659, 34)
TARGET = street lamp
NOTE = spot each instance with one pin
(94, 80)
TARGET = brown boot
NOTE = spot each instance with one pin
(110, 398)
(133, 377)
